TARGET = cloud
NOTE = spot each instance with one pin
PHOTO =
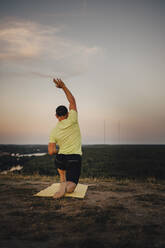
(18, 41)
(33, 45)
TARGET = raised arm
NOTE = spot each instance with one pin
(72, 102)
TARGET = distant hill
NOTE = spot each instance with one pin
(23, 149)
(133, 161)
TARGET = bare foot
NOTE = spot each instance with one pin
(61, 191)
(70, 187)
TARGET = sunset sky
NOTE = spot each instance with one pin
(110, 54)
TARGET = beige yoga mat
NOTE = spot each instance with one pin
(79, 192)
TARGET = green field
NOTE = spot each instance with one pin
(131, 161)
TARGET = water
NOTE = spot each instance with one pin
(14, 168)
(28, 155)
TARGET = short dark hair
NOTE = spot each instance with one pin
(61, 110)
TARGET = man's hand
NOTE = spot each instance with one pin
(59, 83)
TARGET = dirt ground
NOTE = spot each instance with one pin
(114, 213)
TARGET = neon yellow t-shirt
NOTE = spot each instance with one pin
(67, 135)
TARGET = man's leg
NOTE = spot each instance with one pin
(73, 173)
(63, 184)
(69, 178)
(62, 174)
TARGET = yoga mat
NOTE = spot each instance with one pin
(79, 192)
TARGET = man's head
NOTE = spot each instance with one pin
(61, 112)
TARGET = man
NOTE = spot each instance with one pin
(67, 135)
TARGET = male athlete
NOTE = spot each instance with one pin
(67, 135)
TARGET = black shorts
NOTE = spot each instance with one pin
(71, 163)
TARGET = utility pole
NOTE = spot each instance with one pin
(119, 131)
(104, 132)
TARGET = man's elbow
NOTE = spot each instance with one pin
(73, 101)
(73, 105)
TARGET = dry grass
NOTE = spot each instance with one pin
(114, 213)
